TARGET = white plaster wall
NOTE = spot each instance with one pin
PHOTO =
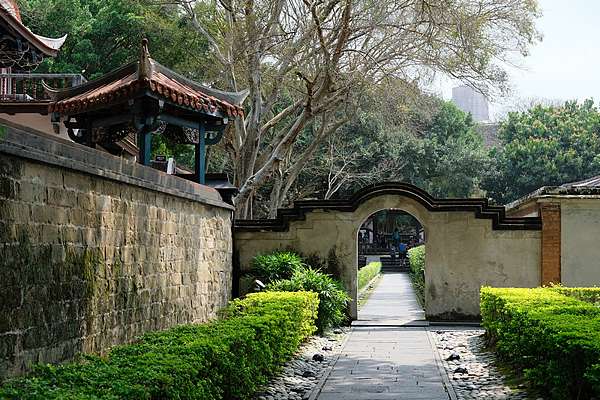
(580, 242)
(463, 253)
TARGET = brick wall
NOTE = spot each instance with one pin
(551, 245)
(88, 262)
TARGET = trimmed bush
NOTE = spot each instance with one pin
(367, 273)
(276, 265)
(333, 299)
(553, 338)
(590, 295)
(416, 260)
(225, 359)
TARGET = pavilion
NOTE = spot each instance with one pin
(142, 98)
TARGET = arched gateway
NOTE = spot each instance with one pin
(469, 243)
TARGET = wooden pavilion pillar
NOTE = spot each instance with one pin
(144, 145)
(200, 154)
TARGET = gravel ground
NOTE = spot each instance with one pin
(300, 376)
(471, 368)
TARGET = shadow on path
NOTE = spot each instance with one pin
(387, 355)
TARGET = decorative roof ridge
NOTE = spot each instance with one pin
(14, 8)
(147, 73)
(48, 46)
(145, 65)
(121, 72)
(234, 98)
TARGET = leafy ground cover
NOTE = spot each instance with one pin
(276, 265)
(550, 334)
(367, 273)
(225, 359)
(416, 259)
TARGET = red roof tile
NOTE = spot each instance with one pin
(145, 75)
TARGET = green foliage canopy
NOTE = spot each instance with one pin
(544, 146)
(105, 34)
(434, 146)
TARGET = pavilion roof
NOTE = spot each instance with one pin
(142, 76)
(11, 17)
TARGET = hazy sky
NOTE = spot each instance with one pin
(566, 64)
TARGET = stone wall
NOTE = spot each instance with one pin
(95, 251)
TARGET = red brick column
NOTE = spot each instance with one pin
(550, 213)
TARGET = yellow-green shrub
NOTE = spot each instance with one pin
(225, 359)
(416, 260)
(553, 338)
(367, 273)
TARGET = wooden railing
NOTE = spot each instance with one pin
(28, 87)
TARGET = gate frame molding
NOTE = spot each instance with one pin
(479, 206)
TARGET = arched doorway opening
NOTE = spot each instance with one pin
(391, 238)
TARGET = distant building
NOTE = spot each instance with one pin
(469, 100)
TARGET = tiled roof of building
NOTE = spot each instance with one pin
(11, 16)
(593, 182)
(589, 187)
(142, 76)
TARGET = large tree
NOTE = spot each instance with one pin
(105, 34)
(444, 155)
(302, 62)
(544, 146)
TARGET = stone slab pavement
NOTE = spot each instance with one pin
(387, 355)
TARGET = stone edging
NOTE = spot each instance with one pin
(59, 152)
(438, 362)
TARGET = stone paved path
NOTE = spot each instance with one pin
(387, 355)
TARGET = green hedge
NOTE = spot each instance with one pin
(225, 359)
(416, 259)
(367, 273)
(553, 337)
(333, 299)
(590, 295)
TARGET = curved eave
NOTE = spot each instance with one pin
(47, 46)
(234, 98)
(60, 94)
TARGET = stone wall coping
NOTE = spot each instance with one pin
(56, 151)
